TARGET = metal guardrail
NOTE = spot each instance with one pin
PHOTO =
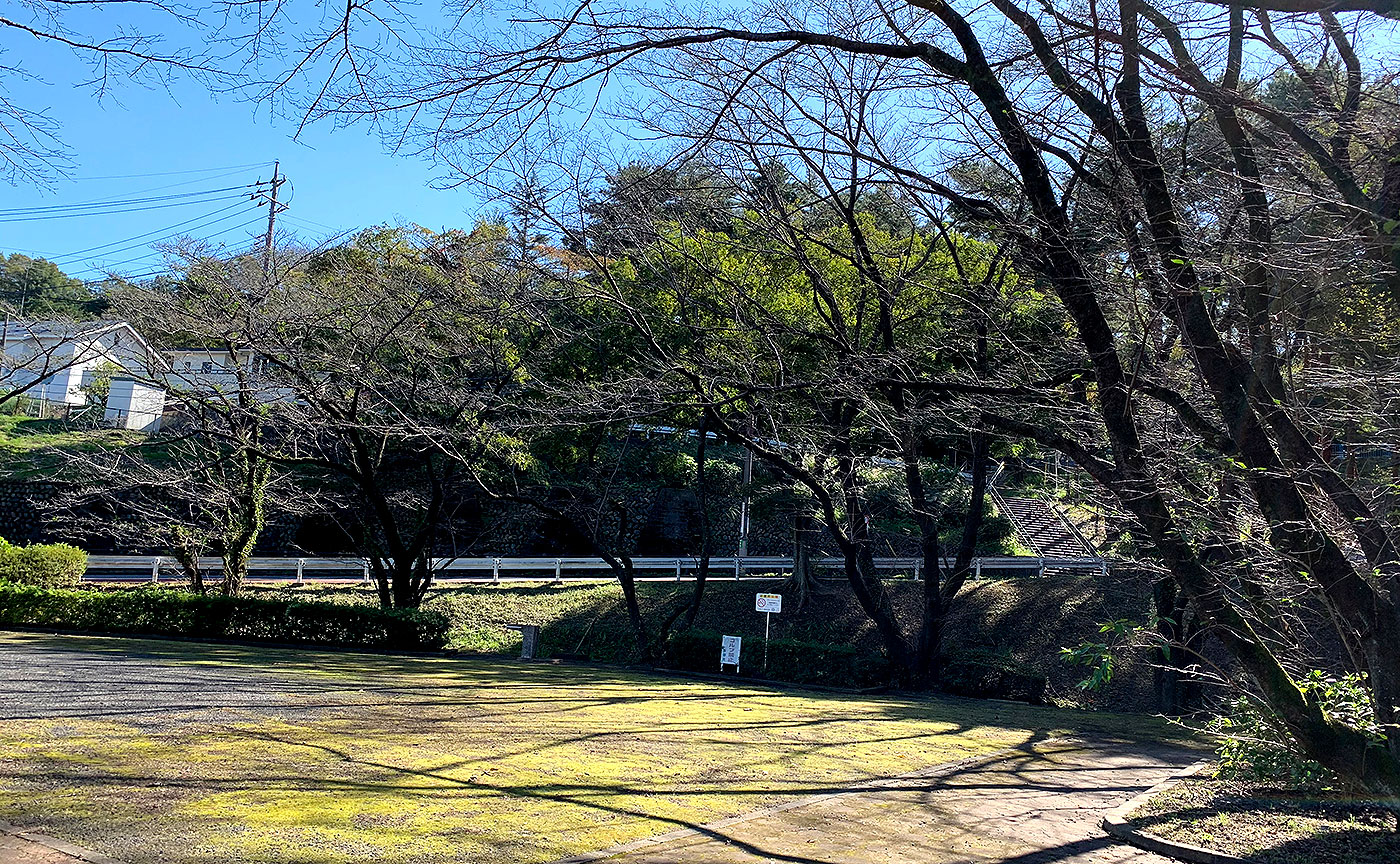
(155, 568)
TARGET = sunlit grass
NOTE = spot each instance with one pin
(426, 759)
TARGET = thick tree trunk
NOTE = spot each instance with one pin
(702, 492)
(1335, 745)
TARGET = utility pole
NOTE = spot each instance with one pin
(746, 480)
(273, 208)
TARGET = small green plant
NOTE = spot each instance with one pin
(1256, 745)
(1098, 656)
(675, 470)
(43, 565)
(98, 385)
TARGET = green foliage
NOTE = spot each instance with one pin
(1256, 745)
(991, 674)
(1098, 656)
(177, 613)
(675, 470)
(41, 290)
(788, 660)
(43, 565)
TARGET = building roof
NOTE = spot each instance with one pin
(15, 330)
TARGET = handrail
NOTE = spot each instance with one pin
(1069, 524)
(1022, 530)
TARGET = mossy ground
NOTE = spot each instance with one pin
(1273, 825)
(375, 758)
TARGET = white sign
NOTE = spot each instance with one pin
(729, 651)
(768, 603)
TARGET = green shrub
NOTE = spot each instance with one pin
(788, 660)
(990, 674)
(169, 612)
(1255, 745)
(43, 565)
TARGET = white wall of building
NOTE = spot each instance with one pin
(132, 404)
(68, 357)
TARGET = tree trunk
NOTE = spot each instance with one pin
(627, 580)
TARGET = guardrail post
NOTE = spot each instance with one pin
(495, 571)
(1040, 566)
(366, 572)
(155, 568)
(977, 567)
(558, 571)
(678, 569)
(301, 571)
(738, 569)
(1103, 569)
(918, 565)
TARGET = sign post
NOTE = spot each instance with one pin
(729, 652)
(767, 604)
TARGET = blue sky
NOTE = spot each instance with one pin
(341, 179)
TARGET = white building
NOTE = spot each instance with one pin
(204, 369)
(133, 404)
(207, 371)
(61, 359)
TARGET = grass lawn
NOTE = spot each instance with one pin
(320, 757)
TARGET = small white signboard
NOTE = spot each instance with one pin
(729, 651)
(768, 603)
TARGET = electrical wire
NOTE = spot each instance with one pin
(111, 267)
(120, 202)
(138, 202)
(213, 200)
(130, 242)
(171, 173)
(191, 182)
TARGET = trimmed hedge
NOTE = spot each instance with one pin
(788, 660)
(990, 674)
(176, 613)
(44, 565)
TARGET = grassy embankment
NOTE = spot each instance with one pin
(1030, 619)
(31, 448)
(1273, 825)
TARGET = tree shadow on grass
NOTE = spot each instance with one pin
(82, 664)
(1023, 768)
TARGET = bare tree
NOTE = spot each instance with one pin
(1037, 124)
(266, 51)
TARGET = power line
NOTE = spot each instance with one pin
(162, 206)
(171, 173)
(201, 179)
(209, 237)
(144, 256)
(129, 242)
(132, 278)
(120, 202)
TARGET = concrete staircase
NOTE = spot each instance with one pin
(1043, 529)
